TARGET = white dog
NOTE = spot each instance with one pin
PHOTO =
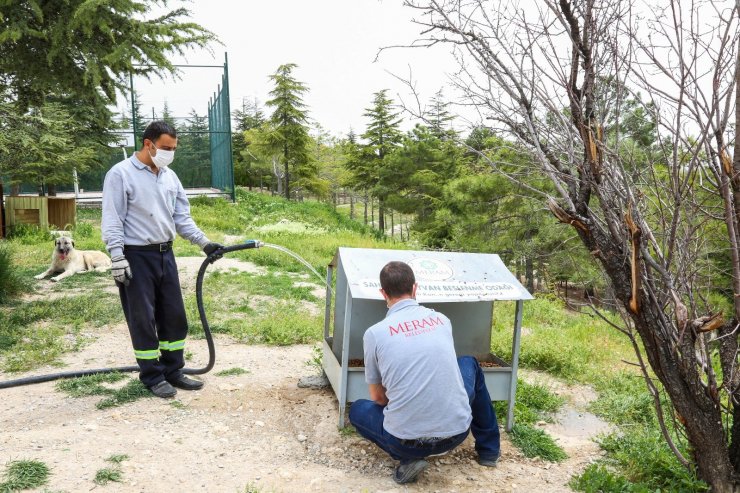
(68, 261)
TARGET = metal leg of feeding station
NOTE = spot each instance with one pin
(514, 363)
(327, 311)
(344, 380)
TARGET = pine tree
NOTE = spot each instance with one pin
(382, 137)
(87, 49)
(289, 121)
(439, 118)
(167, 114)
(248, 117)
(193, 163)
(36, 147)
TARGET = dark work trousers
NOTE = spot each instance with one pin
(155, 313)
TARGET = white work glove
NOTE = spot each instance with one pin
(121, 270)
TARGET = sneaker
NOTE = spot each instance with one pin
(488, 462)
(186, 383)
(163, 389)
(407, 473)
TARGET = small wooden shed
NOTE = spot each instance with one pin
(45, 212)
(463, 286)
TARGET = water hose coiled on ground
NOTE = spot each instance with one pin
(213, 257)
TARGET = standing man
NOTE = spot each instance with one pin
(425, 400)
(144, 205)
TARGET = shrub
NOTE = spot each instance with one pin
(11, 282)
(30, 234)
(644, 463)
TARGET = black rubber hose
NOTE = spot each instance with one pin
(214, 256)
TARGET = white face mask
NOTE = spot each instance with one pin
(162, 158)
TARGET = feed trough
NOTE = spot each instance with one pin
(463, 286)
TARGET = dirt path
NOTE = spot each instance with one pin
(257, 429)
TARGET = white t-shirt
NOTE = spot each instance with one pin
(412, 354)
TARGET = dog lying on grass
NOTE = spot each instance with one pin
(68, 261)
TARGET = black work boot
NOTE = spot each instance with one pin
(163, 389)
(186, 383)
(407, 473)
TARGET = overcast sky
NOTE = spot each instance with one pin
(333, 42)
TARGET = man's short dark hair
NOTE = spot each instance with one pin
(155, 129)
(397, 279)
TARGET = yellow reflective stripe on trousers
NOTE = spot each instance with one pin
(172, 345)
(146, 354)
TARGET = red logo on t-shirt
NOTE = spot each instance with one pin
(415, 327)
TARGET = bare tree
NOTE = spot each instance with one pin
(558, 76)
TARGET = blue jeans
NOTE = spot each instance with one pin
(367, 417)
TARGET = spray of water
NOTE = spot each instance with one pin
(299, 259)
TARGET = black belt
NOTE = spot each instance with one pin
(157, 247)
(427, 442)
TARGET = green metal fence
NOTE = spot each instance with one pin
(203, 158)
(219, 124)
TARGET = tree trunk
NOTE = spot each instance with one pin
(2, 210)
(51, 190)
(287, 174)
(351, 206)
(381, 216)
(366, 199)
(529, 273)
(15, 190)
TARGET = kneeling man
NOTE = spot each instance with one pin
(425, 400)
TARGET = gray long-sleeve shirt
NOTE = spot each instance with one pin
(141, 208)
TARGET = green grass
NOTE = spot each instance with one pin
(117, 458)
(24, 475)
(36, 333)
(91, 385)
(569, 345)
(107, 475)
(534, 442)
(177, 405)
(11, 281)
(257, 309)
(111, 474)
(258, 216)
(231, 372)
(637, 457)
(597, 478)
(534, 402)
(637, 461)
(132, 391)
(624, 400)
(347, 431)
(316, 360)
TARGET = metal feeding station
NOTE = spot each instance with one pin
(463, 286)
